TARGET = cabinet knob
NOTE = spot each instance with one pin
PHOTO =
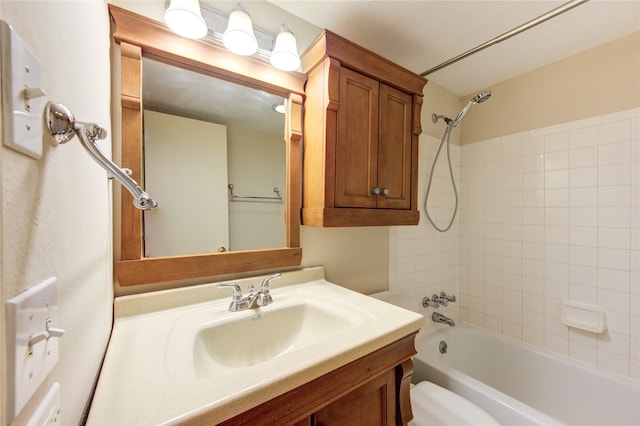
(375, 191)
(384, 191)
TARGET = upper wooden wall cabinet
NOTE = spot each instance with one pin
(361, 127)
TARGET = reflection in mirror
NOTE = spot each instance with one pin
(200, 135)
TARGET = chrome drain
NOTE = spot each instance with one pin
(443, 347)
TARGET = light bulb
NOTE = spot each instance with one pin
(184, 18)
(239, 37)
(285, 52)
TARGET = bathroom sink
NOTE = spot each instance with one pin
(238, 340)
(210, 341)
(218, 363)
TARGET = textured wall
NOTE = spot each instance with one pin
(56, 211)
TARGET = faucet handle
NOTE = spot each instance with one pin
(442, 301)
(265, 283)
(444, 295)
(237, 291)
(426, 303)
(238, 303)
(266, 296)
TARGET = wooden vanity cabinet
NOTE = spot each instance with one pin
(372, 390)
(361, 127)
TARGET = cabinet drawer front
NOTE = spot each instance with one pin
(357, 141)
(395, 149)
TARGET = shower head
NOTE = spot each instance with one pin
(477, 99)
(481, 97)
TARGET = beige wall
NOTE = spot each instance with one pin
(56, 211)
(598, 81)
(439, 101)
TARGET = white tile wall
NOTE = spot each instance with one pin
(545, 215)
(423, 261)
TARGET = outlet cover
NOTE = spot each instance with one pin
(28, 365)
(49, 411)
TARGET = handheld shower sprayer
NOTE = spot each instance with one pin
(477, 99)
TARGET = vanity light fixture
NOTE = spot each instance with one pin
(185, 19)
(239, 37)
(285, 52)
(236, 32)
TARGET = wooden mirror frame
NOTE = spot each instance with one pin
(140, 36)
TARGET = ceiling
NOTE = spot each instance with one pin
(189, 94)
(419, 35)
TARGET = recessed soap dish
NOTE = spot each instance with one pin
(585, 317)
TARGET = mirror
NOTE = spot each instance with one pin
(202, 134)
(140, 37)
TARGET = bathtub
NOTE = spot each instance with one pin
(519, 384)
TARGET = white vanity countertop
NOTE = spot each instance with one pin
(144, 380)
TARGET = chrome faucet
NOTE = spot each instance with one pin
(439, 318)
(451, 298)
(440, 300)
(253, 300)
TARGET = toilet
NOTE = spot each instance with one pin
(434, 405)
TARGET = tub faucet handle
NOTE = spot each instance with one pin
(451, 298)
(428, 303)
(439, 300)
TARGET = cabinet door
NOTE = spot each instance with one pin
(357, 141)
(372, 404)
(394, 151)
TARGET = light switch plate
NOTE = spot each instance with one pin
(21, 108)
(27, 315)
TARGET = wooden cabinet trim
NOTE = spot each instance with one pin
(404, 414)
(173, 268)
(360, 59)
(335, 217)
(131, 103)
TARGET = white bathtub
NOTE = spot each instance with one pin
(519, 384)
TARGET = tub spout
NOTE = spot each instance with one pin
(437, 317)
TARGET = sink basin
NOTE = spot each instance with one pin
(238, 341)
(209, 341)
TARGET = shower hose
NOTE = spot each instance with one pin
(445, 137)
